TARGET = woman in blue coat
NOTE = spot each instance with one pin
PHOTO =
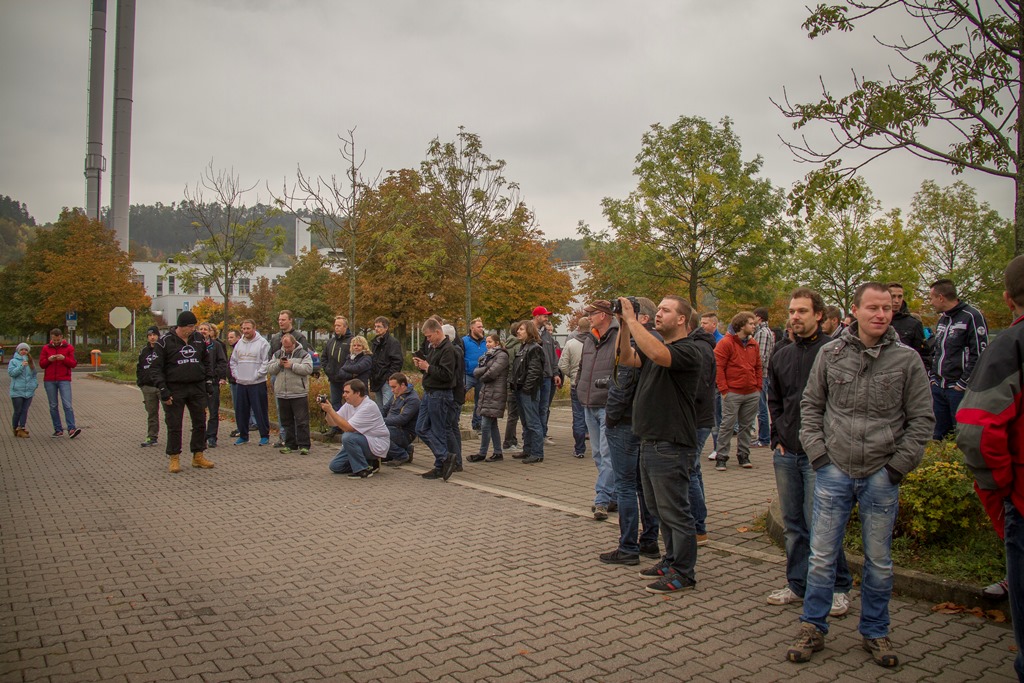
(24, 383)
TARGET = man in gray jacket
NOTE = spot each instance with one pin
(866, 415)
(597, 363)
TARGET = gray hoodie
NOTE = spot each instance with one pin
(866, 408)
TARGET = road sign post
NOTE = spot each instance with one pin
(120, 317)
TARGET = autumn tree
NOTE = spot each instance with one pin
(954, 96)
(612, 269)
(847, 240)
(77, 265)
(231, 238)
(335, 207)
(262, 307)
(967, 242)
(478, 208)
(208, 309)
(304, 291)
(700, 213)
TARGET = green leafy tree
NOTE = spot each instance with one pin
(77, 265)
(847, 240)
(479, 209)
(612, 268)
(303, 290)
(700, 212)
(230, 238)
(956, 100)
(967, 242)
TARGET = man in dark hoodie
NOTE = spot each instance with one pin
(218, 359)
(909, 328)
(144, 380)
(387, 360)
(332, 358)
(624, 453)
(184, 376)
(794, 477)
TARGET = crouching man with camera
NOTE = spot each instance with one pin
(364, 436)
(665, 421)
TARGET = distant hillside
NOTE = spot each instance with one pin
(568, 249)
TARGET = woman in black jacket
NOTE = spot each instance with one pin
(358, 363)
(492, 373)
(525, 377)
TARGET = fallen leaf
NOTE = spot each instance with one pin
(524, 652)
(742, 529)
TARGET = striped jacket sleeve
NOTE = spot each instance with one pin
(989, 430)
(977, 340)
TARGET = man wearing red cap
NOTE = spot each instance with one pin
(551, 378)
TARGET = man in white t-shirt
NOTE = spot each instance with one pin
(364, 436)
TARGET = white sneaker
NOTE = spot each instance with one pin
(713, 455)
(549, 441)
(840, 604)
(784, 596)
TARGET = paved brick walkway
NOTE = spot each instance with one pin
(268, 567)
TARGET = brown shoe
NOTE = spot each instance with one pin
(811, 640)
(175, 466)
(702, 539)
(199, 460)
(21, 433)
(882, 651)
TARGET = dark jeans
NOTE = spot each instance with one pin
(193, 397)
(579, 424)
(20, 415)
(398, 451)
(213, 419)
(336, 394)
(665, 473)
(533, 428)
(489, 432)
(698, 503)
(1013, 534)
(945, 403)
(511, 420)
(455, 433)
(294, 421)
(794, 479)
(432, 423)
(544, 404)
(474, 384)
(624, 452)
(764, 432)
(252, 397)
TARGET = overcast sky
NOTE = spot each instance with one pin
(562, 90)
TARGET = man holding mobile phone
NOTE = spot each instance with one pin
(57, 359)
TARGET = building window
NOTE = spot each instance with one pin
(243, 285)
(170, 284)
(159, 285)
(206, 290)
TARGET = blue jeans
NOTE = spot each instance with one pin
(877, 499)
(764, 431)
(665, 473)
(579, 424)
(354, 454)
(604, 487)
(432, 423)
(533, 428)
(474, 384)
(383, 396)
(544, 402)
(63, 388)
(794, 479)
(624, 454)
(336, 394)
(1013, 534)
(20, 415)
(698, 504)
(455, 433)
(945, 403)
(489, 431)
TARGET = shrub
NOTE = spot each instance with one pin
(937, 500)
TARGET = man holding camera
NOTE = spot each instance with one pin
(597, 362)
(364, 436)
(665, 420)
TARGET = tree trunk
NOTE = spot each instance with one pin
(1018, 205)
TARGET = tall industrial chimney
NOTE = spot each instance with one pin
(95, 164)
(120, 172)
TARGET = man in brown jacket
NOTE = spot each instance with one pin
(739, 377)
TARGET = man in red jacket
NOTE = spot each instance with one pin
(56, 359)
(739, 377)
(991, 435)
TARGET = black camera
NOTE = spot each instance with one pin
(321, 398)
(617, 305)
(602, 382)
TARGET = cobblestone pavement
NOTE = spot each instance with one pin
(271, 568)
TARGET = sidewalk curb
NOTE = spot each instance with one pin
(907, 582)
